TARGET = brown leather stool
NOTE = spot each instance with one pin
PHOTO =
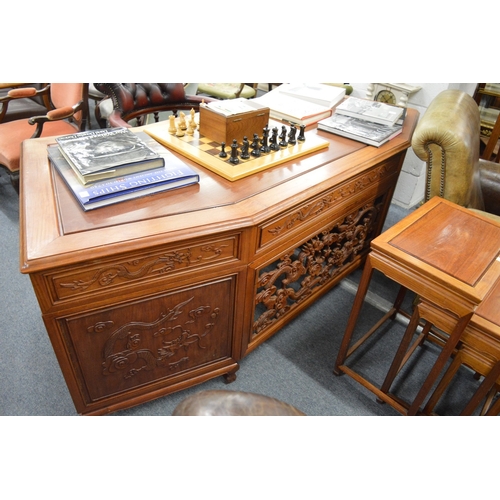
(233, 403)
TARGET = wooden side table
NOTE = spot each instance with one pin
(479, 350)
(447, 255)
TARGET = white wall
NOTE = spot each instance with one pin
(411, 184)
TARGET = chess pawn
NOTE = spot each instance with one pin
(172, 128)
(180, 132)
(223, 153)
(302, 134)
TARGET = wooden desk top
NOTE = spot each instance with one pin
(55, 231)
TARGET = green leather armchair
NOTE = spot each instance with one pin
(447, 139)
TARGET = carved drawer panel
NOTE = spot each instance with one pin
(106, 276)
(316, 207)
(118, 349)
(283, 285)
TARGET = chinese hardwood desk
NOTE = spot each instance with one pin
(154, 295)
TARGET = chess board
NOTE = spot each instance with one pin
(205, 152)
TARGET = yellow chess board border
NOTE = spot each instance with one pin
(246, 167)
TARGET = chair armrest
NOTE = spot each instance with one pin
(19, 93)
(447, 139)
(54, 115)
(115, 120)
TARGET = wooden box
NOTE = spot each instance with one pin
(221, 127)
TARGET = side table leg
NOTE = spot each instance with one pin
(443, 357)
(400, 353)
(356, 308)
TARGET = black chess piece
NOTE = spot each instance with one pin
(255, 146)
(302, 134)
(273, 141)
(244, 149)
(234, 153)
(223, 153)
(291, 134)
(283, 142)
(265, 146)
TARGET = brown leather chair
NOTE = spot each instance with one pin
(447, 138)
(492, 150)
(233, 403)
(135, 100)
(68, 114)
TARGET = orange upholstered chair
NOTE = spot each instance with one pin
(67, 115)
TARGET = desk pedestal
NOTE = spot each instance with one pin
(152, 296)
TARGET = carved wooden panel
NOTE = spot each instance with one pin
(134, 344)
(106, 276)
(328, 201)
(288, 281)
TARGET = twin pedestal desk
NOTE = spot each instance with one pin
(154, 295)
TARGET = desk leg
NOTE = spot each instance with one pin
(356, 308)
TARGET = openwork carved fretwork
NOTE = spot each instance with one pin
(156, 265)
(137, 346)
(288, 281)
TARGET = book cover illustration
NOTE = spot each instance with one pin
(99, 150)
(175, 174)
(373, 111)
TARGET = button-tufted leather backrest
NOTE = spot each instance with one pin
(131, 100)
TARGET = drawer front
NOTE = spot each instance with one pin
(282, 286)
(147, 267)
(329, 201)
(141, 343)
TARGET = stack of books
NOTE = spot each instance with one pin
(106, 166)
(301, 103)
(370, 122)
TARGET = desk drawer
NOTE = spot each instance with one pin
(326, 203)
(146, 267)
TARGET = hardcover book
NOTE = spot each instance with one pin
(174, 174)
(299, 103)
(372, 111)
(364, 131)
(107, 153)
